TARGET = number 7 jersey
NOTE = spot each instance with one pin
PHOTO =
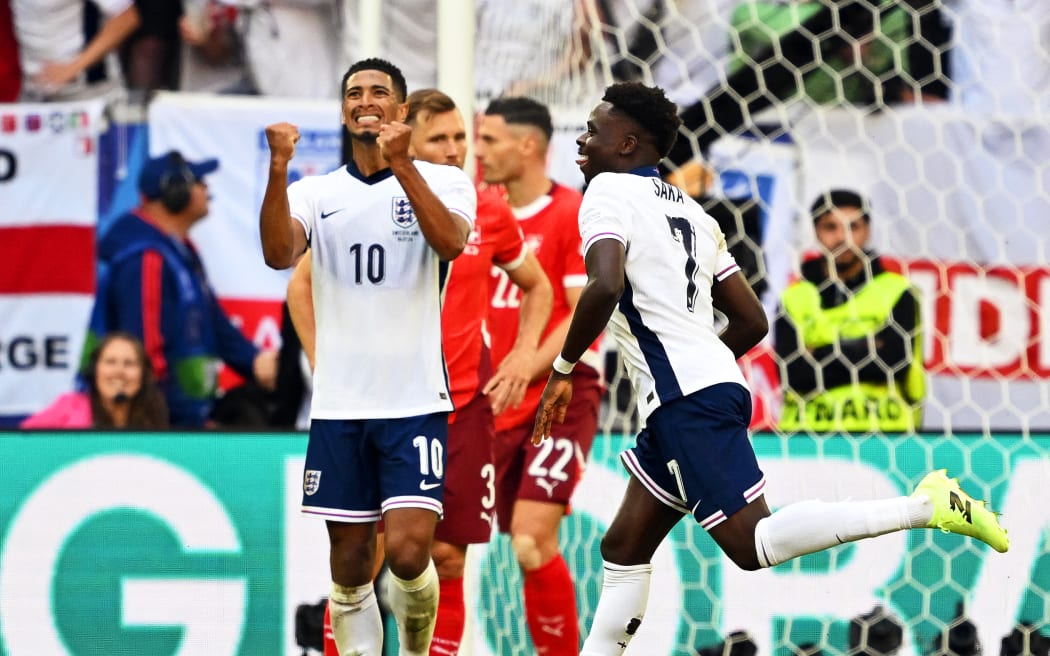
(664, 323)
(377, 287)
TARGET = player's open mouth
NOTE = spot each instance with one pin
(368, 119)
(581, 161)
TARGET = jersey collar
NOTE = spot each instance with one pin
(378, 176)
(646, 171)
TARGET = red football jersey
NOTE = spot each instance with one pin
(495, 241)
(552, 233)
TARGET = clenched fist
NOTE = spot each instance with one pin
(393, 140)
(282, 137)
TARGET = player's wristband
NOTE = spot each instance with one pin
(563, 366)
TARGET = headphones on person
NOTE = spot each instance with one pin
(89, 368)
(176, 185)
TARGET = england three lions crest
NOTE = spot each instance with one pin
(401, 212)
(311, 481)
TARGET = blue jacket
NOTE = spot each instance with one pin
(153, 285)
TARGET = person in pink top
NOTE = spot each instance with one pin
(120, 392)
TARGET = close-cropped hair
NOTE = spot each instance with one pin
(430, 101)
(383, 66)
(837, 199)
(520, 110)
(650, 108)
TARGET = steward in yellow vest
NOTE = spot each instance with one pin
(849, 343)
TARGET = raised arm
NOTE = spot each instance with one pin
(115, 30)
(283, 238)
(445, 231)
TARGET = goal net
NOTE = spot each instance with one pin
(937, 113)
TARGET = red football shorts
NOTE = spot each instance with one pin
(470, 476)
(550, 471)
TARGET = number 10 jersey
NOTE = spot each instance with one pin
(377, 288)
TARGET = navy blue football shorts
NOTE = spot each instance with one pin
(695, 454)
(357, 469)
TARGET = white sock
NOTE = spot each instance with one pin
(810, 526)
(621, 606)
(414, 605)
(356, 624)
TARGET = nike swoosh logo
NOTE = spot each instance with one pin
(325, 215)
(428, 486)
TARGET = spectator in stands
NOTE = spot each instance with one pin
(213, 50)
(538, 62)
(120, 392)
(292, 47)
(10, 71)
(849, 333)
(51, 45)
(153, 285)
(150, 56)
(851, 32)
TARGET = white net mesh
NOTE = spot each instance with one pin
(937, 112)
(920, 580)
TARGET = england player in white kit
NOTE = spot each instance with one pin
(657, 266)
(381, 232)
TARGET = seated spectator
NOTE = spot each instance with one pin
(120, 392)
(149, 57)
(52, 45)
(153, 285)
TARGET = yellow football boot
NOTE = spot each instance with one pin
(954, 511)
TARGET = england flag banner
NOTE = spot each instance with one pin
(49, 187)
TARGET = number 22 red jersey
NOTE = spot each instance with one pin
(552, 232)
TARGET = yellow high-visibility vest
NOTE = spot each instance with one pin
(865, 407)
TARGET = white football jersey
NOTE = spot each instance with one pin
(377, 289)
(664, 324)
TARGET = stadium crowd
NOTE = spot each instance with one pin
(860, 53)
